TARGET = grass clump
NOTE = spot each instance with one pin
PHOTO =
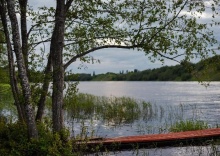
(188, 125)
(113, 110)
(120, 110)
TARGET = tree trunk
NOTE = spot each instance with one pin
(13, 79)
(32, 130)
(23, 10)
(57, 43)
(46, 83)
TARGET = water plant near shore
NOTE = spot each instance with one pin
(146, 118)
(188, 125)
(112, 110)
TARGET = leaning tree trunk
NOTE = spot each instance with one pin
(32, 130)
(57, 43)
(46, 83)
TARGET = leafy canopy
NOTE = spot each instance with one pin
(160, 28)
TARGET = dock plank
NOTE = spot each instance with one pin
(157, 140)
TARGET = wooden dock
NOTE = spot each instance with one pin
(198, 137)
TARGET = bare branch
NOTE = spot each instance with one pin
(36, 25)
(170, 58)
(94, 49)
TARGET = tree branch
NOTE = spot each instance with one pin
(162, 28)
(36, 25)
(97, 48)
(87, 40)
(68, 4)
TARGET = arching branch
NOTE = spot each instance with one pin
(95, 49)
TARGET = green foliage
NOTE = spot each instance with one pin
(14, 141)
(3, 52)
(207, 69)
(112, 110)
(6, 99)
(159, 28)
(121, 110)
(4, 78)
(204, 70)
(105, 77)
(5, 89)
(36, 76)
(188, 125)
(78, 77)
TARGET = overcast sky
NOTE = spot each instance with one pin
(116, 60)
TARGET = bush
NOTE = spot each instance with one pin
(14, 141)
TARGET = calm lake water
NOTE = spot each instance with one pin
(173, 100)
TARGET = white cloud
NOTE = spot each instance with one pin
(115, 60)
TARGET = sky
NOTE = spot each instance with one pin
(116, 60)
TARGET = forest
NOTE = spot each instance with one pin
(205, 70)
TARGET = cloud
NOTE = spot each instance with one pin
(40, 3)
(116, 60)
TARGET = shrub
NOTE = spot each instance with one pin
(14, 141)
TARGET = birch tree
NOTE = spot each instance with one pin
(27, 106)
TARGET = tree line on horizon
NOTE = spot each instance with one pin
(206, 70)
(203, 70)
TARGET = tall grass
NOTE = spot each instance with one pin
(117, 111)
(112, 110)
(188, 125)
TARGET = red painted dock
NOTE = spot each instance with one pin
(158, 140)
(165, 137)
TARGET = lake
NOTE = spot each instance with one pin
(162, 93)
(173, 100)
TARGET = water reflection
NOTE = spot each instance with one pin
(171, 93)
(170, 151)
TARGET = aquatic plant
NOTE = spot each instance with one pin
(112, 110)
(188, 125)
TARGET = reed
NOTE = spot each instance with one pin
(112, 110)
(116, 111)
(188, 125)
